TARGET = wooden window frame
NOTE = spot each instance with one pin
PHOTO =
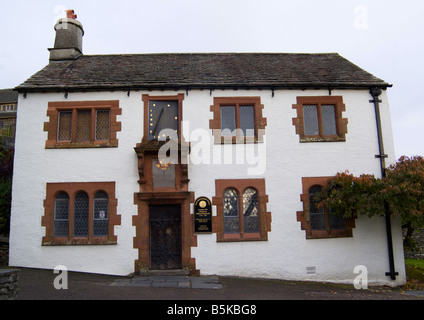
(91, 188)
(215, 123)
(304, 216)
(51, 127)
(240, 185)
(341, 123)
(147, 98)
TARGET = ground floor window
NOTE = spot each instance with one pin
(319, 222)
(241, 210)
(80, 213)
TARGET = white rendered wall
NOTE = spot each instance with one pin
(285, 161)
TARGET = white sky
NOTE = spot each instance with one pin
(384, 37)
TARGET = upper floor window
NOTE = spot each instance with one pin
(320, 119)
(163, 115)
(82, 124)
(237, 120)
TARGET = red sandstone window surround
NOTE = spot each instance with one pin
(237, 120)
(80, 213)
(82, 124)
(319, 119)
(319, 223)
(241, 210)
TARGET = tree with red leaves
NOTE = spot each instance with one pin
(402, 189)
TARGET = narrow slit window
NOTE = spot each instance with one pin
(81, 208)
(102, 124)
(61, 215)
(101, 216)
(250, 211)
(317, 215)
(64, 128)
(228, 121)
(328, 116)
(310, 120)
(247, 120)
(231, 211)
(83, 125)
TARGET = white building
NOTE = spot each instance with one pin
(90, 193)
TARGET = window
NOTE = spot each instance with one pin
(319, 222)
(81, 208)
(100, 212)
(241, 210)
(80, 213)
(82, 124)
(163, 174)
(319, 119)
(61, 215)
(237, 120)
(162, 113)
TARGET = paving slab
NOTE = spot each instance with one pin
(184, 282)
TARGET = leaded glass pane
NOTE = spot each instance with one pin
(250, 211)
(163, 174)
(336, 221)
(102, 124)
(228, 121)
(81, 214)
(310, 120)
(100, 221)
(247, 121)
(317, 215)
(83, 125)
(61, 215)
(231, 211)
(64, 128)
(328, 120)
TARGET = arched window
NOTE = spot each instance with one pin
(100, 214)
(250, 210)
(317, 215)
(81, 208)
(61, 215)
(231, 211)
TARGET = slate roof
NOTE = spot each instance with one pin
(201, 70)
(8, 96)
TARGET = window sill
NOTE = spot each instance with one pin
(234, 140)
(240, 237)
(325, 234)
(321, 139)
(77, 145)
(58, 241)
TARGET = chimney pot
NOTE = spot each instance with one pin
(70, 14)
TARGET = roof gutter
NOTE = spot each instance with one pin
(375, 93)
(134, 87)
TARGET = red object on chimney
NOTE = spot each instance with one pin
(70, 14)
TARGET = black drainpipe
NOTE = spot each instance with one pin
(375, 93)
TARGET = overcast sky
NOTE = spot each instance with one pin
(384, 37)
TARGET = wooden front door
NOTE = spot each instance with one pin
(165, 237)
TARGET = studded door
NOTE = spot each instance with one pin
(165, 237)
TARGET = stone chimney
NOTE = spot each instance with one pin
(68, 42)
